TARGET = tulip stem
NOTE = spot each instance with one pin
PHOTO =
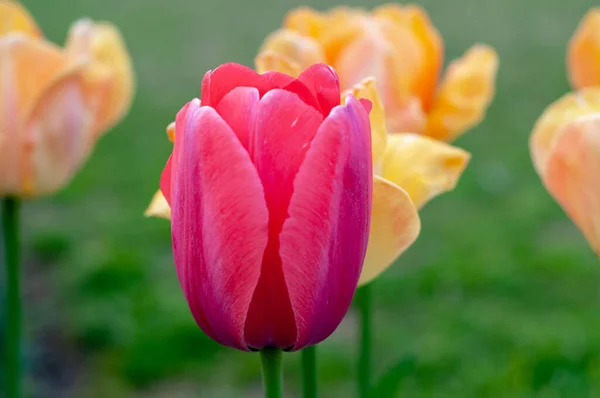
(272, 373)
(12, 333)
(364, 299)
(309, 372)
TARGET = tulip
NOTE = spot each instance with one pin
(400, 47)
(583, 52)
(565, 148)
(269, 186)
(48, 129)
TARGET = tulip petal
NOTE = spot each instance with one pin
(548, 127)
(271, 61)
(60, 136)
(423, 166)
(284, 129)
(324, 84)
(159, 207)
(395, 225)
(217, 83)
(219, 223)
(464, 95)
(583, 52)
(571, 175)
(323, 242)
(367, 89)
(307, 21)
(28, 67)
(299, 50)
(15, 18)
(237, 108)
(109, 79)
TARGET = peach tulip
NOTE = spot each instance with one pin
(583, 52)
(400, 47)
(56, 102)
(565, 148)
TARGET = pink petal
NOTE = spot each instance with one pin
(324, 240)
(219, 223)
(217, 83)
(323, 82)
(237, 108)
(165, 180)
(284, 128)
(368, 105)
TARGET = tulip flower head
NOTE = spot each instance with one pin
(402, 49)
(56, 102)
(269, 190)
(565, 148)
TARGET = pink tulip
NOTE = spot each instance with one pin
(269, 185)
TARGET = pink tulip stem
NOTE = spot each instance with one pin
(272, 373)
(12, 332)
(364, 300)
(309, 372)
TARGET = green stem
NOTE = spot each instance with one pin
(309, 372)
(366, 344)
(272, 373)
(12, 334)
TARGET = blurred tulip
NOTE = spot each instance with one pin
(57, 102)
(583, 52)
(400, 47)
(270, 189)
(565, 148)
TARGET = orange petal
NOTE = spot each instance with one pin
(571, 175)
(395, 225)
(422, 166)
(171, 131)
(428, 58)
(27, 68)
(367, 89)
(548, 127)
(60, 135)
(288, 50)
(159, 207)
(15, 18)
(464, 95)
(306, 21)
(583, 52)
(110, 74)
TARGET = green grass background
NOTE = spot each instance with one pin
(499, 297)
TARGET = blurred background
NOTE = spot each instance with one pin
(499, 297)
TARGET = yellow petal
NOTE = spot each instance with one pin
(15, 18)
(110, 72)
(27, 68)
(422, 166)
(464, 95)
(583, 52)
(548, 127)
(60, 136)
(159, 207)
(395, 225)
(289, 49)
(171, 131)
(368, 89)
(571, 175)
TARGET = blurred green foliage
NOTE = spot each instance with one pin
(498, 298)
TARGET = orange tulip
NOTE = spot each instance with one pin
(400, 47)
(583, 52)
(565, 148)
(56, 102)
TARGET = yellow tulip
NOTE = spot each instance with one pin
(565, 148)
(57, 101)
(402, 49)
(583, 52)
